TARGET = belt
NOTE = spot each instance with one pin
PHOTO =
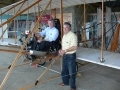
(70, 54)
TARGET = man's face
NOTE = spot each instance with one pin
(66, 29)
(50, 24)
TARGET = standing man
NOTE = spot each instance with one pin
(69, 46)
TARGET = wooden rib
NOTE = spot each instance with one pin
(16, 59)
(9, 20)
(12, 7)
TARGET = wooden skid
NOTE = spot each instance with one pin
(13, 51)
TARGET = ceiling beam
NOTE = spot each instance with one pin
(5, 3)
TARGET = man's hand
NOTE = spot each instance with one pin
(62, 52)
(46, 40)
(39, 41)
(37, 34)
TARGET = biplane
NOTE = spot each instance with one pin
(85, 54)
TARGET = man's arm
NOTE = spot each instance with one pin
(40, 34)
(43, 32)
(71, 49)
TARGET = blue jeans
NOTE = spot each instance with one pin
(69, 70)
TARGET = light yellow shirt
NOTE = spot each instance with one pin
(69, 40)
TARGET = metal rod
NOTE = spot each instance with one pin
(51, 69)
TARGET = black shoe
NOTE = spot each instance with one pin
(41, 64)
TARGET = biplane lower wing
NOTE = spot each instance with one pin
(93, 55)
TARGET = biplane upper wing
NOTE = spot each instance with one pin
(54, 4)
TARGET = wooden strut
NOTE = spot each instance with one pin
(46, 80)
(35, 14)
(61, 17)
(13, 51)
(2, 26)
(11, 22)
(1, 69)
(102, 46)
(12, 7)
(18, 55)
(38, 14)
(84, 24)
(55, 58)
(61, 22)
(50, 10)
(14, 27)
(27, 21)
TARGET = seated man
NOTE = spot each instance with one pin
(51, 34)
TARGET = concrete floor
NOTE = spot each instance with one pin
(94, 77)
